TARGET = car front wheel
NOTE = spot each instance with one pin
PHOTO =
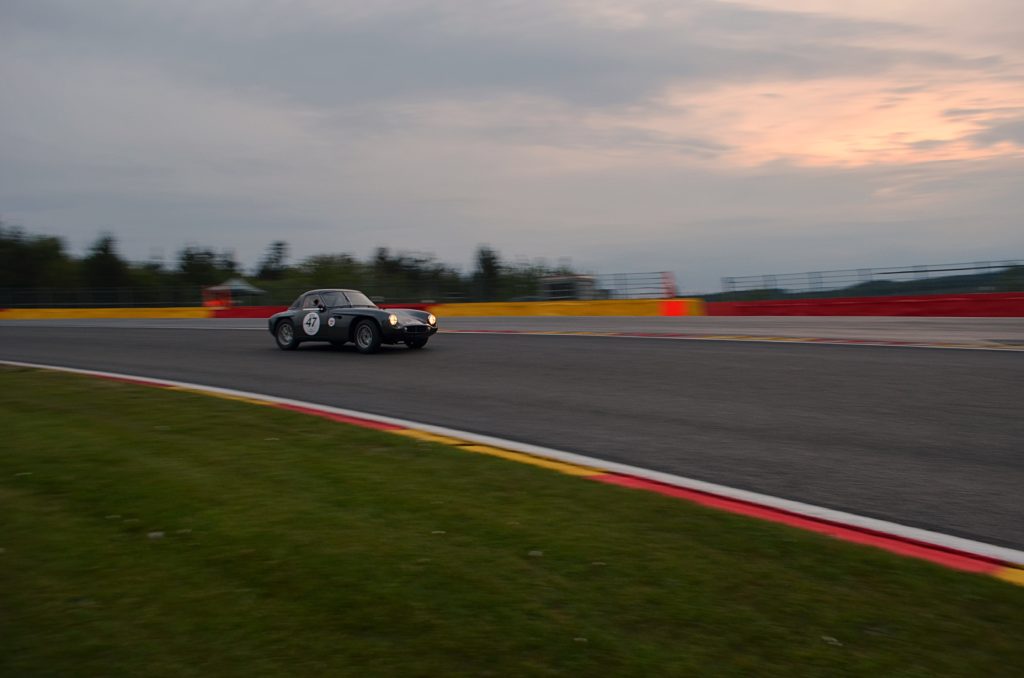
(367, 337)
(285, 335)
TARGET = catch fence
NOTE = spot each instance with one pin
(656, 285)
(979, 276)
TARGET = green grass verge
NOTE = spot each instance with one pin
(295, 546)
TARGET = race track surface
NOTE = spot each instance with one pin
(930, 438)
(999, 331)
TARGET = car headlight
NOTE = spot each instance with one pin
(432, 319)
(393, 319)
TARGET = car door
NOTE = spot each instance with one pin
(312, 322)
(338, 317)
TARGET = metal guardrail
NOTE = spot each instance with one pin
(981, 276)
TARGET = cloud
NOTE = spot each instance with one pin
(718, 137)
(1000, 131)
(326, 54)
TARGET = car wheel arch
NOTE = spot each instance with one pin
(358, 321)
(287, 342)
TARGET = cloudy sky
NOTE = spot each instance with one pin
(704, 137)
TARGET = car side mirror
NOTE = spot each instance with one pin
(320, 307)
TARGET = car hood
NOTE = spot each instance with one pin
(408, 315)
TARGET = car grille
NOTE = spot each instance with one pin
(416, 329)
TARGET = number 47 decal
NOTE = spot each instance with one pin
(311, 323)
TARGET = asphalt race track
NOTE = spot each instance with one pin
(927, 437)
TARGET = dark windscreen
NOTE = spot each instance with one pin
(360, 299)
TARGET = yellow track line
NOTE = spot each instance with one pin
(467, 446)
(1011, 574)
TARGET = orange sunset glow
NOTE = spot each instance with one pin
(849, 122)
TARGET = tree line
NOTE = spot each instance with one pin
(36, 262)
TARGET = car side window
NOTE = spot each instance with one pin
(335, 299)
(311, 301)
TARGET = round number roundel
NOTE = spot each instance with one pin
(311, 323)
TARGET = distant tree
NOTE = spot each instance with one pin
(1010, 280)
(33, 261)
(410, 276)
(148, 275)
(226, 263)
(203, 266)
(273, 266)
(332, 270)
(103, 267)
(28, 261)
(385, 265)
(487, 273)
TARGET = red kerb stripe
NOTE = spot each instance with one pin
(892, 544)
(355, 421)
(129, 380)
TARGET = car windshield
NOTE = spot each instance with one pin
(359, 299)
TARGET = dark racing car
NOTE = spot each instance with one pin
(341, 316)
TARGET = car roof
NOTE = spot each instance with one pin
(330, 289)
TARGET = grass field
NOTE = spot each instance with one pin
(148, 532)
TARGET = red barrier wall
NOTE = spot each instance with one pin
(991, 305)
(247, 311)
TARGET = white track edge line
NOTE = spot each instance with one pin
(946, 541)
